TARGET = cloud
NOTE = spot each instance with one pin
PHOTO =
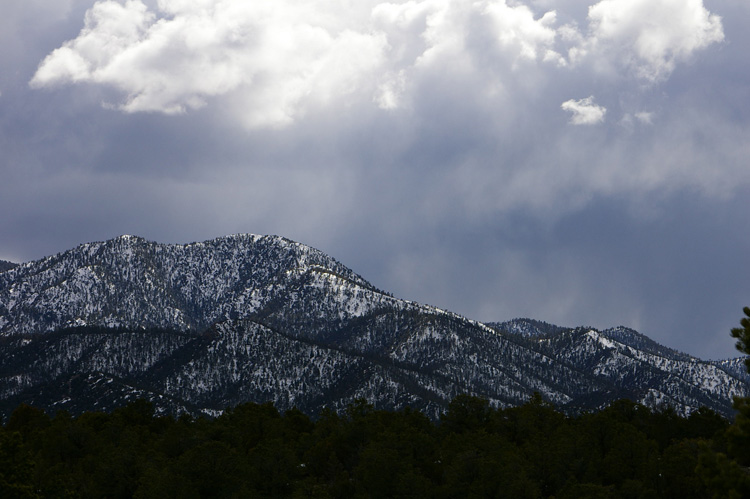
(462, 89)
(279, 56)
(391, 90)
(275, 62)
(645, 117)
(648, 36)
(517, 29)
(585, 112)
(630, 120)
(427, 30)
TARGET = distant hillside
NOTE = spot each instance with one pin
(204, 326)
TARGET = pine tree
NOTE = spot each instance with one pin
(728, 475)
(743, 336)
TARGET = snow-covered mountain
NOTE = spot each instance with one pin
(203, 326)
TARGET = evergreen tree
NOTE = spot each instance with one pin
(726, 471)
(743, 336)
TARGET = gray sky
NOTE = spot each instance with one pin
(576, 162)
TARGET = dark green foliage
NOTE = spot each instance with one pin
(16, 466)
(252, 450)
(743, 335)
(725, 465)
(466, 413)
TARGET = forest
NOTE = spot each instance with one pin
(253, 450)
(625, 450)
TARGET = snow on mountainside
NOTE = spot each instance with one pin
(134, 283)
(199, 327)
(671, 376)
(634, 339)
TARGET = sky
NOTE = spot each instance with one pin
(578, 162)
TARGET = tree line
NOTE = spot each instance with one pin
(252, 450)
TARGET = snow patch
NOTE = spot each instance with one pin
(606, 343)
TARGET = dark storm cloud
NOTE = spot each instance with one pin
(496, 159)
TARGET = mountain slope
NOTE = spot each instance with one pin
(130, 282)
(203, 326)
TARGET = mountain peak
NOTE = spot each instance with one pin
(129, 237)
(131, 282)
(528, 327)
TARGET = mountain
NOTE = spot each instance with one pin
(199, 327)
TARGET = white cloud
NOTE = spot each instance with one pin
(649, 36)
(585, 112)
(111, 29)
(517, 29)
(275, 54)
(275, 61)
(278, 59)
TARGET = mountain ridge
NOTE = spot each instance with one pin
(198, 327)
(6, 265)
